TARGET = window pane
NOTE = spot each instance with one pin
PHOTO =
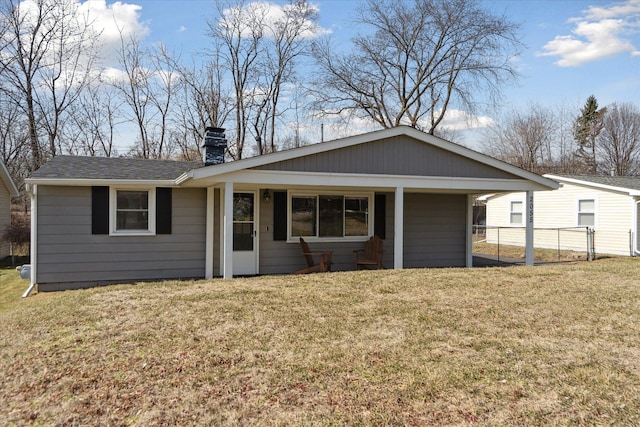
(516, 213)
(586, 205)
(356, 216)
(331, 216)
(133, 200)
(127, 220)
(516, 218)
(243, 206)
(303, 216)
(132, 210)
(243, 236)
(516, 207)
(586, 219)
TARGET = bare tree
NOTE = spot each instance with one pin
(288, 39)
(565, 159)
(240, 29)
(164, 87)
(618, 144)
(69, 69)
(46, 62)
(14, 140)
(203, 102)
(134, 89)
(26, 41)
(148, 87)
(525, 139)
(96, 118)
(416, 60)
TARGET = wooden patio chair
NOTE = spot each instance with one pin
(371, 254)
(324, 259)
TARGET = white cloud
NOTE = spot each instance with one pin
(113, 21)
(620, 9)
(458, 120)
(182, 29)
(267, 15)
(600, 33)
(113, 75)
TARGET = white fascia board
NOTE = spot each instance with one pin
(8, 182)
(71, 182)
(315, 179)
(225, 168)
(624, 190)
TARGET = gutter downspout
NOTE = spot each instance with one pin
(32, 189)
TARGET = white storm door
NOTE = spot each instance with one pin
(245, 254)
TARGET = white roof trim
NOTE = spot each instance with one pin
(225, 168)
(8, 182)
(314, 179)
(86, 182)
(629, 191)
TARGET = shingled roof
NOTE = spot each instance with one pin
(629, 182)
(79, 167)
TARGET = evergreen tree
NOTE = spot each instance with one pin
(586, 129)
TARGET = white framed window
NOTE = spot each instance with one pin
(586, 213)
(516, 212)
(330, 216)
(132, 211)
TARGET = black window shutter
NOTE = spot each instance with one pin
(163, 210)
(380, 216)
(99, 210)
(279, 215)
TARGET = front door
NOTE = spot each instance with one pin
(245, 259)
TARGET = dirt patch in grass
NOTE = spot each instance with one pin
(515, 346)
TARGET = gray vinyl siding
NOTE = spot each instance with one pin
(401, 155)
(69, 256)
(434, 230)
(278, 257)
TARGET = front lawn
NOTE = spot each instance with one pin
(545, 345)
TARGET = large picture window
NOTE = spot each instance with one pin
(337, 216)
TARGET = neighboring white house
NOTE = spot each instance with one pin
(608, 205)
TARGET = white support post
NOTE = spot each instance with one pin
(529, 228)
(227, 246)
(209, 238)
(469, 239)
(398, 230)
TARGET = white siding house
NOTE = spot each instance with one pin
(607, 205)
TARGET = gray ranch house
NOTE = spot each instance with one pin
(99, 220)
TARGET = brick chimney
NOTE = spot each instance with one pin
(214, 145)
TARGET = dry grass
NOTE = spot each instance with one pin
(551, 345)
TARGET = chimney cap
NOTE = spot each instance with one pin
(214, 129)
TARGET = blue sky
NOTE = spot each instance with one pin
(573, 48)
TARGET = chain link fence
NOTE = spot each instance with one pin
(550, 244)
